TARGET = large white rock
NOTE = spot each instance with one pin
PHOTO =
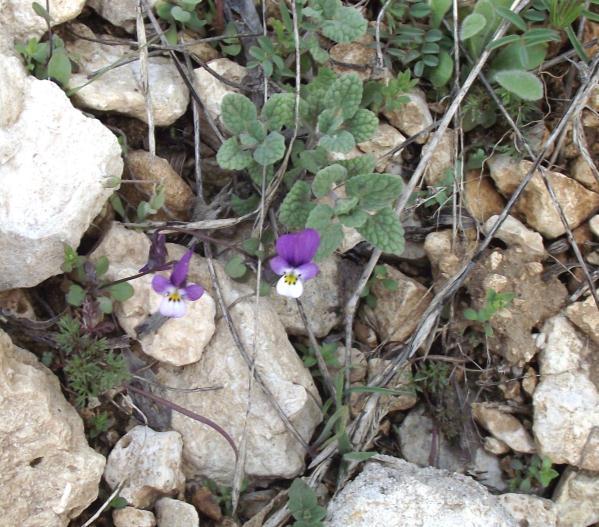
(394, 493)
(178, 341)
(211, 90)
(566, 401)
(272, 452)
(118, 12)
(48, 473)
(149, 464)
(18, 18)
(577, 499)
(120, 88)
(530, 511)
(54, 163)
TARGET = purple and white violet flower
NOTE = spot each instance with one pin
(175, 289)
(293, 262)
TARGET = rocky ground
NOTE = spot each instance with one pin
(456, 385)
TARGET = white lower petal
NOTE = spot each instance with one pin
(173, 309)
(294, 290)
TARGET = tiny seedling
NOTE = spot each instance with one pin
(494, 302)
(380, 275)
(431, 377)
(303, 505)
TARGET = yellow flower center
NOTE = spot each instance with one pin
(290, 278)
(175, 296)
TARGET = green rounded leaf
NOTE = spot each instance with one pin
(271, 150)
(384, 231)
(296, 206)
(346, 25)
(324, 179)
(473, 24)
(230, 156)
(441, 74)
(105, 304)
(375, 191)
(341, 141)
(180, 15)
(235, 267)
(76, 295)
(279, 111)
(523, 84)
(363, 125)
(238, 113)
(59, 66)
(345, 95)
(121, 292)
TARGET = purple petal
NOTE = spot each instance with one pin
(193, 291)
(160, 284)
(307, 271)
(298, 248)
(180, 270)
(279, 265)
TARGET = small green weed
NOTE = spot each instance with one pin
(494, 302)
(380, 275)
(431, 377)
(303, 505)
(538, 473)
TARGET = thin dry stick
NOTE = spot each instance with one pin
(377, 36)
(426, 156)
(322, 365)
(145, 81)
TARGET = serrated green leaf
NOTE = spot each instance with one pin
(521, 83)
(331, 237)
(279, 111)
(59, 66)
(76, 295)
(355, 219)
(243, 206)
(325, 178)
(374, 190)
(329, 121)
(363, 125)
(344, 95)
(235, 267)
(230, 155)
(341, 141)
(121, 292)
(296, 206)
(384, 231)
(320, 217)
(345, 205)
(313, 160)
(346, 25)
(473, 24)
(359, 165)
(271, 150)
(237, 112)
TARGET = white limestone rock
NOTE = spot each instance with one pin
(149, 463)
(132, 517)
(120, 13)
(18, 18)
(576, 499)
(54, 163)
(120, 89)
(211, 90)
(412, 117)
(504, 427)
(393, 493)
(48, 473)
(514, 233)
(175, 513)
(530, 511)
(566, 401)
(178, 341)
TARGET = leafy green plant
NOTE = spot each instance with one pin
(147, 208)
(90, 285)
(303, 505)
(90, 367)
(179, 12)
(266, 55)
(46, 59)
(327, 350)
(98, 423)
(379, 275)
(537, 475)
(431, 377)
(224, 494)
(493, 303)
(380, 96)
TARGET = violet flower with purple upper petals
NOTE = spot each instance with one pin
(175, 289)
(293, 262)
